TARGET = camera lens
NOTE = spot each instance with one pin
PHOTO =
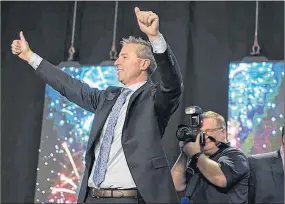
(182, 132)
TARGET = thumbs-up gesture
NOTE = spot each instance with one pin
(21, 48)
(148, 23)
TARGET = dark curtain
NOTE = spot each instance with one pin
(205, 36)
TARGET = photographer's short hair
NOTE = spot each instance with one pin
(144, 50)
(219, 119)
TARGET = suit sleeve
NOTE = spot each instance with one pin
(170, 88)
(251, 182)
(74, 90)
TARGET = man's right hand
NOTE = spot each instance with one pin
(22, 48)
(191, 148)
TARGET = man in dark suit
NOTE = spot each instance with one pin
(125, 161)
(267, 176)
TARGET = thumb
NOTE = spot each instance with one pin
(137, 10)
(22, 37)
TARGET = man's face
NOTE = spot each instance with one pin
(130, 67)
(211, 128)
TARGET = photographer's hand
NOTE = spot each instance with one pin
(192, 148)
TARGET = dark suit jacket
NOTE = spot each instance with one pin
(148, 113)
(267, 178)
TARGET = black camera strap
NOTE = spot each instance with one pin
(191, 188)
(220, 145)
(193, 170)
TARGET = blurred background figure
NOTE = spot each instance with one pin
(267, 176)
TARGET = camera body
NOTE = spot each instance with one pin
(188, 133)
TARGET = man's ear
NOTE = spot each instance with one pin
(145, 63)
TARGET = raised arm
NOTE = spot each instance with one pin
(74, 90)
(171, 85)
(170, 88)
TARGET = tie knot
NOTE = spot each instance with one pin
(126, 91)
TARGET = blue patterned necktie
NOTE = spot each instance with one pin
(101, 165)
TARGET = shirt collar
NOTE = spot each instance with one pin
(135, 86)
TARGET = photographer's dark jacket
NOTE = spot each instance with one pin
(235, 167)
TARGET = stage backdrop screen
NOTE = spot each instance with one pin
(256, 105)
(64, 137)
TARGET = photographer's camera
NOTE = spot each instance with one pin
(188, 132)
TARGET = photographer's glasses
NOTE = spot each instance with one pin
(211, 132)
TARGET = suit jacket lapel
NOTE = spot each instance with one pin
(133, 98)
(136, 94)
(102, 115)
(278, 172)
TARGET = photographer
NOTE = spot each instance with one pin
(208, 170)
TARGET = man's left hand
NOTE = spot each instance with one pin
(148, 23)
(192, 148)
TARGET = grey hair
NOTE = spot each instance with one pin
(143, 51)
